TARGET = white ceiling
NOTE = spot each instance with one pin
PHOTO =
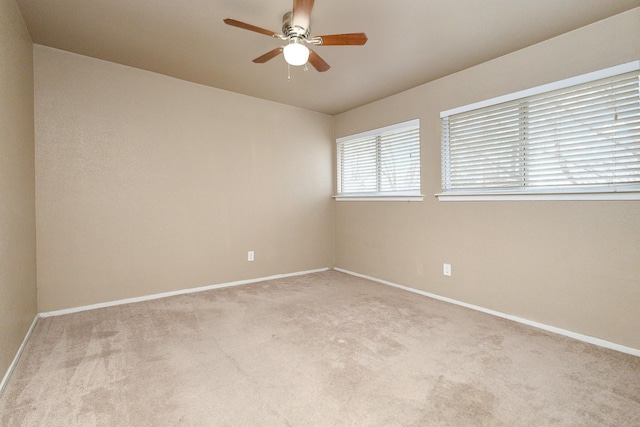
(411, 42)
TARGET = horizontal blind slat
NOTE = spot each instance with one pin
(577, 136)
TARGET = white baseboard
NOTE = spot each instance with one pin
(173, 293)
(7, 375)
(559, 331)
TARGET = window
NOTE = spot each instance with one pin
(578, 138)
(382, 163)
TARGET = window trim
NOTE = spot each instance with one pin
(395, 196)
(379, 197)
(629, 192)
(574, 194)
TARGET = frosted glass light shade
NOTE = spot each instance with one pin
(295, 53)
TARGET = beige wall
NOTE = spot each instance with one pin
(148, 184)
(17, 187)
(573, 265)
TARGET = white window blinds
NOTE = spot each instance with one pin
(581, 137)
(382, 162)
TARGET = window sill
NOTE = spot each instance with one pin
(470, 197)
(381, 198)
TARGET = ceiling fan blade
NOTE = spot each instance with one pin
(352, 39)
(302, 13)
(317, 62)
(249, 27)
(267, 56)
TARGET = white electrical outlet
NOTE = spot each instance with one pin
(250, 256)
(446, 269)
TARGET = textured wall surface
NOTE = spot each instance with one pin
(17, 186)
(573, 265)
(148, 184)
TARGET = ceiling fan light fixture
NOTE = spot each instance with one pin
(296, 53)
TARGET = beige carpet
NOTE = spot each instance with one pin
(323, 349)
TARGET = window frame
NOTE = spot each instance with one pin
(605, 192)
(408, 195)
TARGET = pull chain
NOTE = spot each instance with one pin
(288, 72)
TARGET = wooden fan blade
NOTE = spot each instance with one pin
(301, 16)
(267, 56)
(249, 27)
(317, 62)
(352, 39)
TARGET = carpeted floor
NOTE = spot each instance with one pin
(323, 349)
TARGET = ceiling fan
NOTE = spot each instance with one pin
(296, 31)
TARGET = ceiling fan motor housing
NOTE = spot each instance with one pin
(290, 31)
